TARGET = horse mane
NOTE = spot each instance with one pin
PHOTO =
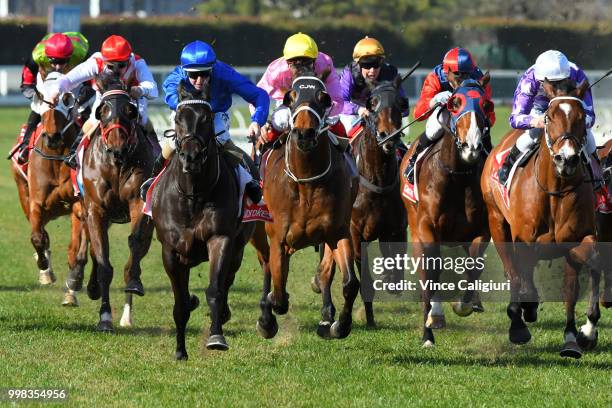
(564, 87)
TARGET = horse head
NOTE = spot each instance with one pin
(565, 125)
(118, 118)
(468, 107)
(309, 103)
(56, 118)
(385, 106)
(194, 132)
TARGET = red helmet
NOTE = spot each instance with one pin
(58, 46)
(116, 48)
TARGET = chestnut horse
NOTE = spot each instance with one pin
(308, 191)
(117, 161)
(48, 193)
(551, 202)
(378, 211)
(450, 207)
(195, 211)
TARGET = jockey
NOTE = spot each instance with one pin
(300, 56)
(115, 57)
(199, 70)
(361, 76)
(57, 52)
(530, 104)
(457, 66)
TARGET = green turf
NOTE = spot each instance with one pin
(43, 345)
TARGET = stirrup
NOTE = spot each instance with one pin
(71, 160)
(144, 188)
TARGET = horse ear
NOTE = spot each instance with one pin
(454, 104)
(549, 89)
(582, 89)
(289, 97)
(98, 111)
(325, 74)
(485, 79)
(324, 99)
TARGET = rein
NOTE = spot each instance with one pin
(364, 181)
(298, 180)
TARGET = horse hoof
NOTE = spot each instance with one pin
(46, 277)
(339, 330)
(93, 291)
(217, 342)
(520, 335)
(181, 356)
(370, 324)
(463, 309)
(194, 302)
(314, 285)
(126, 317)
(279, 308)
(323, 329)
(586, 343)
(269, 331)
(435, 322)
(530, 312)
(105, 326)
(428, 344)
(571, 349)
(70, 298)
(134, 286)
(478, 307)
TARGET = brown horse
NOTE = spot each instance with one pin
(308, 191)
(604, 231)
(48, 193)
(195, 210)
(450, 207)
(378, 212)
(117, 161)
(550, 203)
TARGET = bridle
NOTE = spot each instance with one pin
(130, 133)
(566, 136)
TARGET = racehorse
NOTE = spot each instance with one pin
(308, 190)
(378, 211)
(47, 193)
(195, 209)
(117, 160)
(450, 207)
(551, 202)
(604, 234)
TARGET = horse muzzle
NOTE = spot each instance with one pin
(54, 140)
(566, 165)
(191, 162)
(307, 140)
(470, 154)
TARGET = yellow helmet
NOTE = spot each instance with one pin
(300, 45)
(368, 47)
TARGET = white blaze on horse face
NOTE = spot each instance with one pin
(566, 107)
(474, 134)
(567, 150)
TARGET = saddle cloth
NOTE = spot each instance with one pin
(23, 168)
(411, 191)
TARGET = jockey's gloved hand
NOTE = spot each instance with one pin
(136, 92)
(28, 92)
(442, 98)
(281, 119)
(537, 122)
(254, 131)
(363, 112)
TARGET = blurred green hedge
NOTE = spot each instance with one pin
(243, 41)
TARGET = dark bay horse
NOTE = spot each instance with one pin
(308, 191)
(117, 161)
(604, 230)
(195, 210)
(48, 193)
(378, 212)
(450, 207)
(551, 202)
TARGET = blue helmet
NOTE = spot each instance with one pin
(197, 56)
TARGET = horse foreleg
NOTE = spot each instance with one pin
(327, 269)
(344, 257)
(587, 336)
(315, 283)
(139, 242)
(183, 303)
(77, 257)
(467, 304)
(97, 225)
(220, 251)
(279, 269)
(93, 287)
(367, 283)
(570, 295)
(40, 241)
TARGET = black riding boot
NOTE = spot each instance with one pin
(504, 171)
(71, 157)
(252, 188)
(422, 144)
(158, 165)
(24, 152)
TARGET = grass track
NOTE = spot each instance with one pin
(43, 345)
